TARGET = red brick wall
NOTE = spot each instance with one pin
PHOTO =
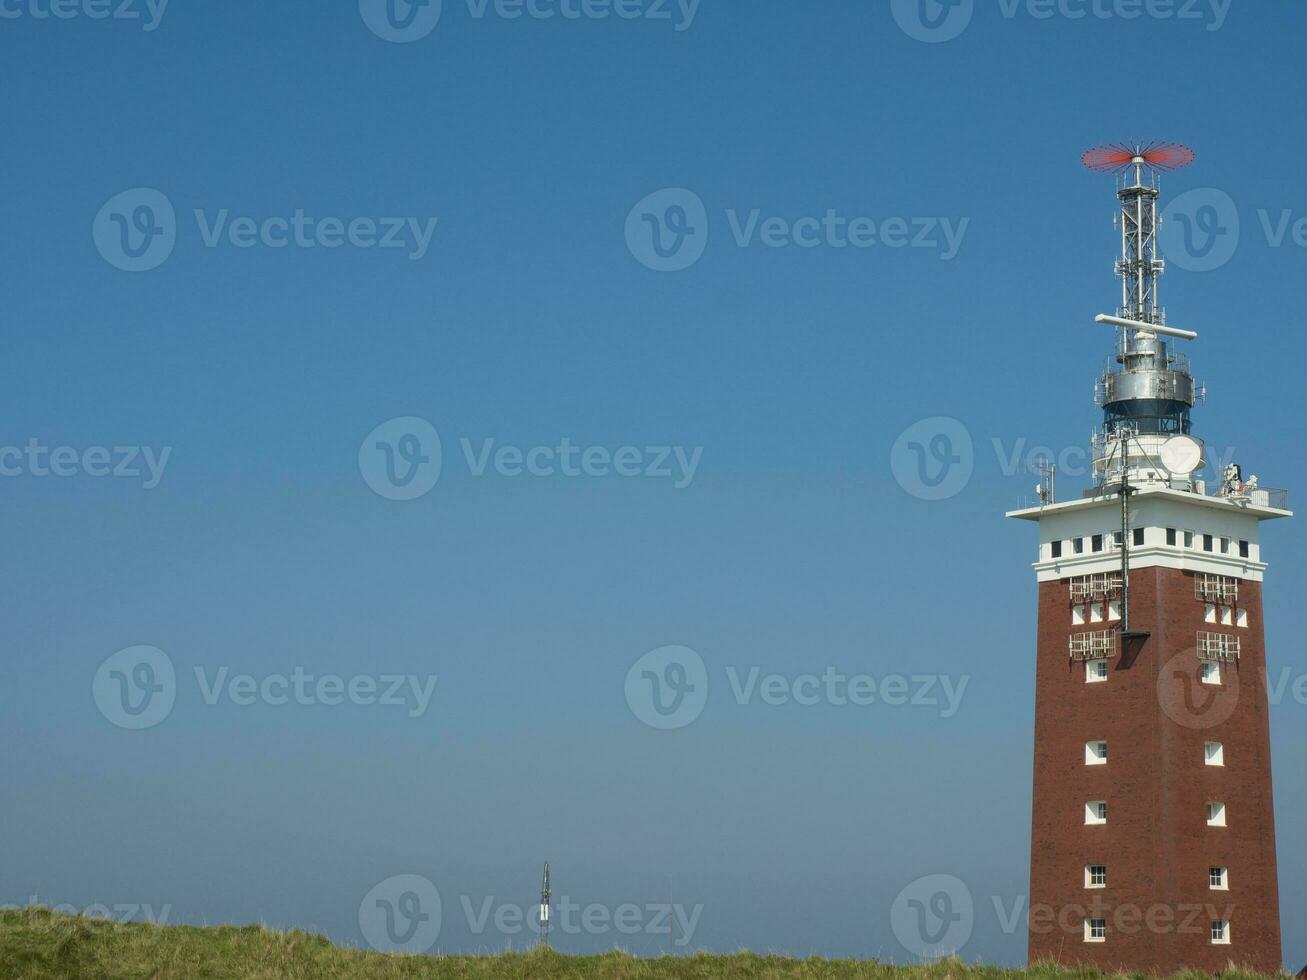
(1156, 844)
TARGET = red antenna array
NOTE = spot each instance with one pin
(1118, 157)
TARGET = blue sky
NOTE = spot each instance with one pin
(529, 314)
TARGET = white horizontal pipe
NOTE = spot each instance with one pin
(1117, 321)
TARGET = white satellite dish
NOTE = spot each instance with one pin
(1182, 455)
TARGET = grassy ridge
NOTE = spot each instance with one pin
(37, 944)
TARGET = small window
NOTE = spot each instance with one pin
(1225, 546)
(1216, 814)
(1057, 549)
(1219, 879)
(1227, 616)
(1139, 536)
(1211, 672)
(1095, 876)
(1096, 812)
(1077, 615)
(1114, 610)
(1096, 930)
(1245, 549)
(1207, 542)
(1097, 543)
(1221, 932)
(1095, 671)
(1241, 618)
(1209, 612)
(1096, 612)
(1170, 536)
(1116, 539)
(1078, 545)
(1096, 753)
(1214, 754)
(1189, 539)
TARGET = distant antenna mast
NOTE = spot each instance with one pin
(545, 895)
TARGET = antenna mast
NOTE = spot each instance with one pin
(545, 895)
(1146, 402)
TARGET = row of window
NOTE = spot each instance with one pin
(1096, 931)
(1218, 879)
(1098, 543)
(1096, 755)
(1096, 671)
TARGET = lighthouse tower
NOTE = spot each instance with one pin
(1153, 835)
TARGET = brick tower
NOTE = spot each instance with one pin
(1153, 835)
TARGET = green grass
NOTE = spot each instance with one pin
(37, 944)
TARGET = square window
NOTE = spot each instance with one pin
(1096, 753)
(1095, 671)
(1245, 549)
(1170, 536)
(1098, 542)
(1095, 930)
(1221, 932)
(1139, 536)
(1227, 616)
(1114, 610)
(1216, 814)
(1211, 672)
(1241, 618)
(1096, 812)
(1077, 615)
(1207, 542)
(1078, 545)
(1096, 612)
(1057, 549)
(1188, 539)
(1095, 876)
(1219, 879)
(1214, 754)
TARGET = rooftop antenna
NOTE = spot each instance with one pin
(545, 895)
(1146, 403)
